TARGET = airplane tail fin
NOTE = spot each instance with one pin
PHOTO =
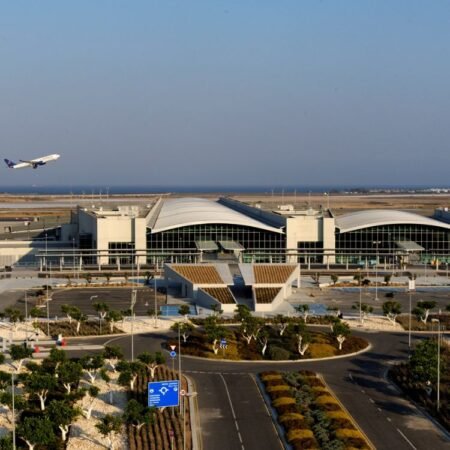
(10, 163)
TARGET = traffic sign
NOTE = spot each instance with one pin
(173, 354)
(223, 343)
(162, 394)
(182, 392)
(172, 347)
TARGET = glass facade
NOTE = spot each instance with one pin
(181, 241)
(381, 240)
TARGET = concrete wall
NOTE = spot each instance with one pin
(310, 228)
(114, 228)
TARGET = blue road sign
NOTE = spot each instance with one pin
(223, 343)
(173, 354)
(163, 394)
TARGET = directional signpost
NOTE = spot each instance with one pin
(163, 394)
(223, 345)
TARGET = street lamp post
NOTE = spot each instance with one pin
(13, 411)
(156, 304)
(133, 302)
(26, 315)
(360, 295)
(438, 396)
(409, 327)
(377, 243)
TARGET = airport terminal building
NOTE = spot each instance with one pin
(192, 230)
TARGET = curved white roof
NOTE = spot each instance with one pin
(181, 212)
(377, 217)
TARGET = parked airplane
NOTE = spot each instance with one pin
(34, 163)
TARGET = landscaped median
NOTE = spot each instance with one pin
(257, 339)
(309, 414)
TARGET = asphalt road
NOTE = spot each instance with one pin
(232, 410)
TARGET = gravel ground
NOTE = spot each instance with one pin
(83, 433)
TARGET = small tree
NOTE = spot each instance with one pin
(68, 311)
(102, 310)
(263, 339)
(107, 379)
(214, 333)
(19, 354)
(365, 310)
(148, 276)
(242, 313)
(113, 317)
(57, 357)
(391, 310)
(423, 362)
(88, 278)
(90, 395)
(69, 374)
(281, 323)
(358, 277)
(303, 338)
(62, 414)
(15, 316)
(35, 313)
(334, 278)
(6, 400)
(5, 380)
(113, 353)
(387, 279)
(6, 442)
(422, 311)
(40, 384)
(91, 365)
(341, 331)
(185, 328)
(129, 371)
(109, 426)
(152, 361)
(250, 328)
(108, 277)
(184, 310)
(79, 318)
(304, 310)
(138, 415)
(36, 430)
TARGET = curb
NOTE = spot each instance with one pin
(196, 429)
(282, 361)
(355, 423)
(273, 415)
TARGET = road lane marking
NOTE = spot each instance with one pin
(232, 410)
(371, 401)
(388, 419)
(407, 440)
(379, 409)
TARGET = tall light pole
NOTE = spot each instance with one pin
(156, 305)
(377, 243)
(360, 295)
(26, 315)
(409, 327)
(133, 302)
(13, 411)
(438, 396)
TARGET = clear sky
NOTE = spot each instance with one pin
(260, 92)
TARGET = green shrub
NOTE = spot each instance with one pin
(278, 353)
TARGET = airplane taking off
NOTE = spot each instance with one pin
(34, 163)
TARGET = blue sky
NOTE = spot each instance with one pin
(273, 93)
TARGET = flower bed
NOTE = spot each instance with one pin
(309, 414)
